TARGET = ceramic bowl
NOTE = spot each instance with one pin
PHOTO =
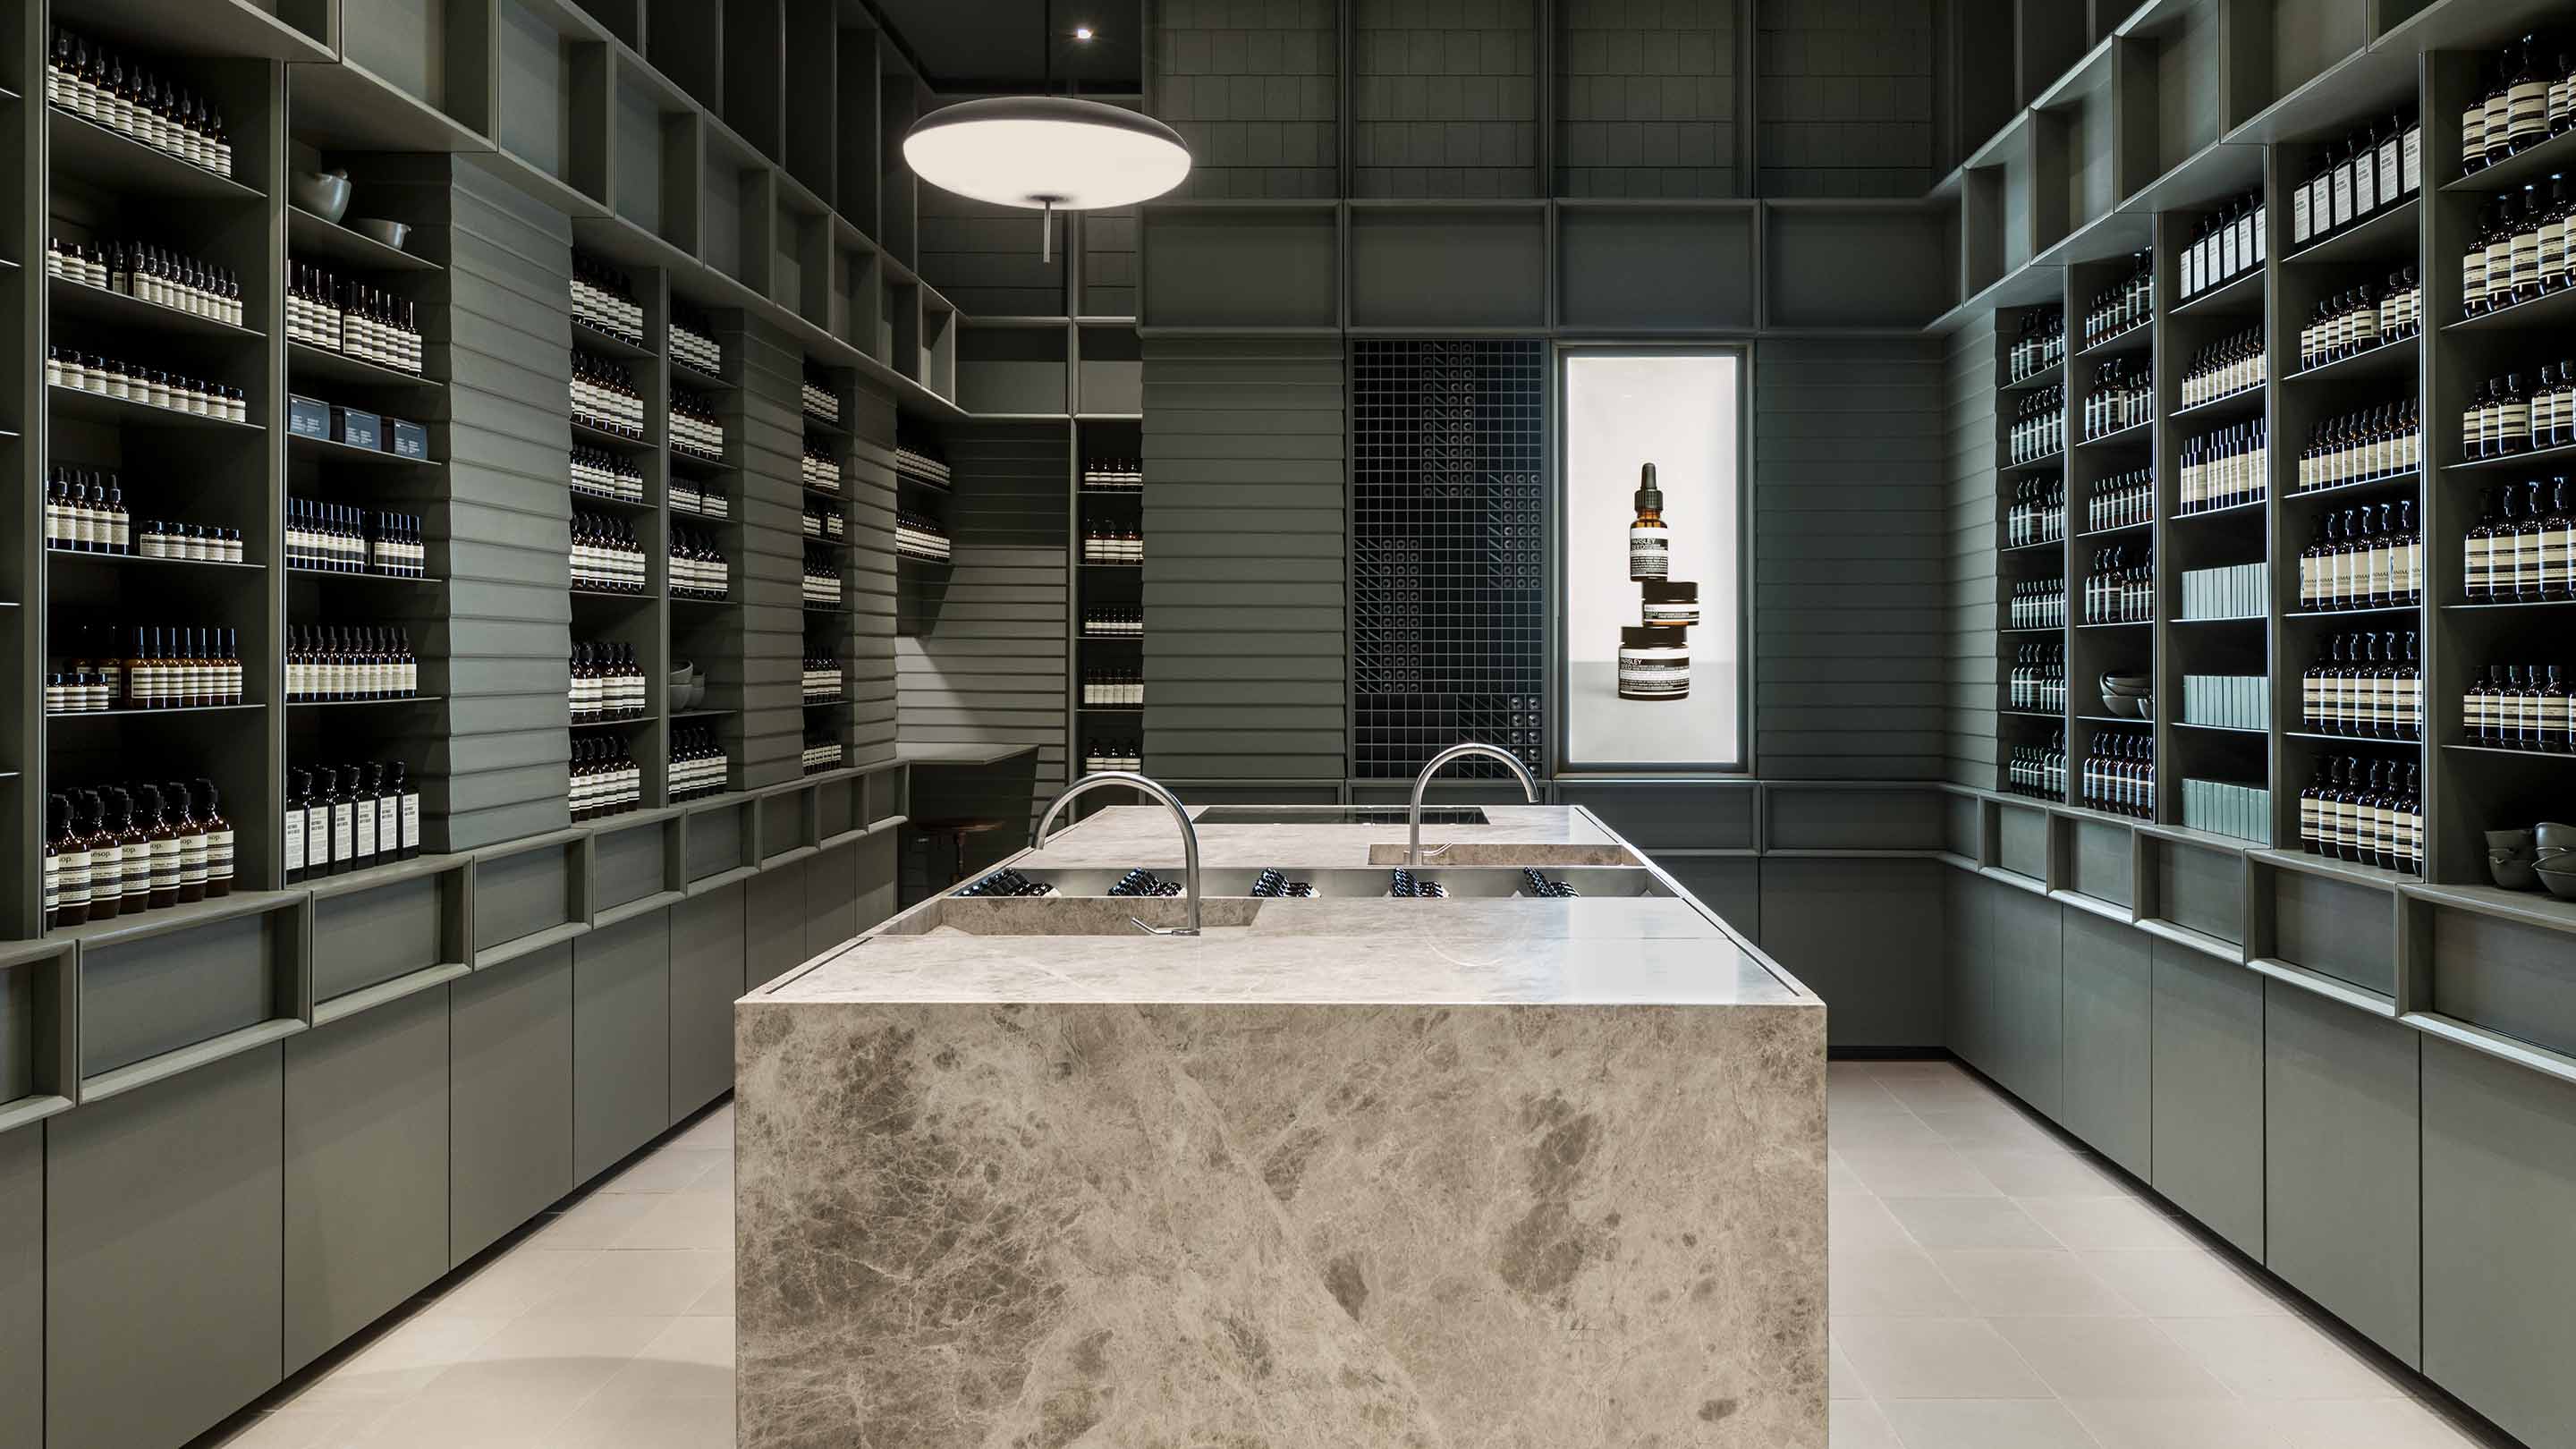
(323, 193)
(2511, 839)
(2559, 883)
(2512, 872)
(391, 233)
(2555, 835)
(2124, 706)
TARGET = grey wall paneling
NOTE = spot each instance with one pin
(811, 95)
(1106, 280)
(755, 71)
(706, 974)
(152, 990)
(1197, 255)
(774, 923)
(394, 923)
(1810, 138)
(1636, 268)
(508, 627)
(2343, 1176)
(1971, 680)
(1015, 370)
(686, 43)
(2109, 1036)
(530, 893)
(1853, 264)
(1254, 92)
(1446, 269)
(22, 1290)
(1246, 522)
(366, 1172)
(178, 1182)
(982, 655)
(621, 1041)
(636, 865)
(2208, 1151)
(1647, 98)
(1847, 623)
(1879, 970)
(510, 1094)
(1444, 102)
(986, 260)
(2498, 1196)
(860, 87)
(869, 479)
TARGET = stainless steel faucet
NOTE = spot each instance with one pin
(1422, 782)
(1189, 836)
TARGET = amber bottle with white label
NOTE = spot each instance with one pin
(1650, 540)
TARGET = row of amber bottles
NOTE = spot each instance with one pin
(2377, 166)
(2363, 558)
(341, 818)
(605, 778)
(125, 849)
(2367, 812)
(2121, 589)
(2527, 95)
(2363, 446)
(2038, 770)
(108, 87)
(2037, 514)
(337, 663)
(2518, 250)
(2520, 707)
(2365, 684)
(2120, 773)
(2523, 549)
(2504, 417)
(2226, 367)
(2358, 319)
(606, 683)
(2122, 308)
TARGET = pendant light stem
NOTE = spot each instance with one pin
(1046, 233)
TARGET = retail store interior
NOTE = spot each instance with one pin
(1770, 724)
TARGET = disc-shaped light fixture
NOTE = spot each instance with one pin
(1051, 153)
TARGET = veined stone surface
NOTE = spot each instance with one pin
(1292, 1227)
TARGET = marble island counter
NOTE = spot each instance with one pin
(1492, 1170)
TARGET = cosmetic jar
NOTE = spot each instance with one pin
(1671, 605)
(1654, 663)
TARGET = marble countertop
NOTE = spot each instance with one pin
(1125, 835)
(1508, 951)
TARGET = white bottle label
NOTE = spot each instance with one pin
(1649, 551)
(343, 833)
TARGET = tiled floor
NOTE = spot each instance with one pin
(1993, 1288)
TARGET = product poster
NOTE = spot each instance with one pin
(1651, 534)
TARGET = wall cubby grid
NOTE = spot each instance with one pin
(1448, 602)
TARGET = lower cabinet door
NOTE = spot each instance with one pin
(774, 924)
(2109, 1028)
(621, 1040)
(2208, 1042)
(509, 1096)
(2342, 1163)
(2030, 998)
(22, 1289)
(366, 1169)
(162, 1265)
(706, 977)
(2500, 1241)
(1968, 1005)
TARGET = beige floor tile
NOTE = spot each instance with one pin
(399, 1363)
(2031, 1282)
(2109, 1222)
(1985, 1424)
(1840, 1179)
(1845, 1383)
(2184, 1424)
(683, 1220)
(1890, 1281)
(550, 1364)
(2045, 1174)
(2184, 1283)
(1875, 1133)
(717, 1301)
(693, 1359)
(453, 1423)
(1989, 1126)
(2279, 1358)
(511, 1284)
(2108, 1358)
(1857, 1424)
(1862, 1222)
(1919, 1172)
(1968, 1222)
(612, 1423)
(651, 1283)
(671, 1169)
(2379, 1424)
(597, 1220)
(714, 1130)
(1934, 1358)
(302, 1428)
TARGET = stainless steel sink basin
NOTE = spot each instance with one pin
(1337, 815)
(1370, 883)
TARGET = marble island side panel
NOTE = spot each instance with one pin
(1280, 1226)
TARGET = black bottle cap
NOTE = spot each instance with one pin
(1648, 495)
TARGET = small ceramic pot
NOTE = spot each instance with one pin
(323, 193)
(2555, 835)
(2510, 839)
(2511, 871)
(2559, 883)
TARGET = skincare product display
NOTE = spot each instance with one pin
(2036, 682)
(2037, 770)
(694, 429)
(2227, 701)
(2519, 707)
(607, 557)
(121, 850)
(2362, 447)
(2361, 319)
(1099, 755)
(2121, 588)
(342, 663)
(2120, 773)
(604, 474)
(110, 87)
(2225, 468)
(921, 537)
(819, 469)
(2364, 558)
(2037, 604)
(698, 570)
(1113, 689)
(2038, 513)
(2117, 311)
(134, 382)
(822, 752)
(604, 395)
(2523, 549)
(822, 679)
(603, 300)
(2040, 346)
(2123, 500)
(823, 523)
(340, 538)
(607, 684)
(1113, 475)
(2038, 426)
(919, 460)
(2365, 685)
(2223, 369)
(2231, 591)
(150, 273)
(2227, 244)
(821, 584)
(699, 765)
(2367, 811)
(1654, 663)
(1109, 543)
(2123, 396)
(138, 667)
(2378, 165)
(605, 780)
(1113, 621)
(820, 401)
(693, 341)
(688, 497)
(362, 321)
(2223, 808)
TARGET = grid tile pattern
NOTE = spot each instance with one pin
(1448, 582)
(1443, 101)
(1844, 97)
(1249, 84)
(1647, 92)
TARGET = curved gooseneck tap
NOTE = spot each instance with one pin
(1422, 782)
(1189, 835)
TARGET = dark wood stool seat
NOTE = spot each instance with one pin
(959, 827)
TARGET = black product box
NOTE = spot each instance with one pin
(356, 427)
(406, 440)
(308, 417)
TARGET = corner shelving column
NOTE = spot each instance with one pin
(22, 404)
(830, 532)
(637, 622)
(1109, 598)
(2101, 356)
(699, 500)
(2033, 732)
(166, 462)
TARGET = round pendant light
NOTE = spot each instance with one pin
(1046, 153)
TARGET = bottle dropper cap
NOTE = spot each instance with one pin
(1648, 495)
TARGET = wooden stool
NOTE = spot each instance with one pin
(961, 827)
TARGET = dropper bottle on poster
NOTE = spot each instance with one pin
(1650, 539)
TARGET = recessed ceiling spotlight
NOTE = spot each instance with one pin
(1082, 32)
